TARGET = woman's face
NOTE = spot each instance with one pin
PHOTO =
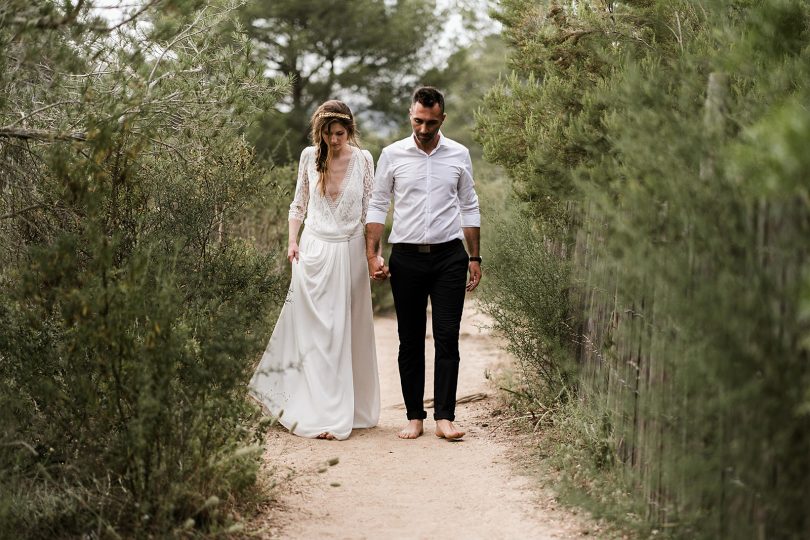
(335, 135)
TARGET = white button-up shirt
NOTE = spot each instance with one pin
(434, 194)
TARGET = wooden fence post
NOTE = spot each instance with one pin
(715, 111)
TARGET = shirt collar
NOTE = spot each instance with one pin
(413, 144)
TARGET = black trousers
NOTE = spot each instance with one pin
(440, 275)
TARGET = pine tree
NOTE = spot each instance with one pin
(657, 148)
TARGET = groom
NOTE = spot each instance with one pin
(435, 205)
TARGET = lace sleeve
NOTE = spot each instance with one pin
(368, 182)
(298, 207)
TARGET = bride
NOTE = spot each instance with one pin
(319, 371)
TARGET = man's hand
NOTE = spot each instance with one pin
(475, 275)
(377, 269)
(376, 264)
(472, 235)
(292, 252)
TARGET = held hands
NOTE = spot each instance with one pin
(475, 276)
(292, 252)
(377, 269)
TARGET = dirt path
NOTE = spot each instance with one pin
(384, 487)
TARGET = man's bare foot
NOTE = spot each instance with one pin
(412, 430)
(326, 435)
(446, 430)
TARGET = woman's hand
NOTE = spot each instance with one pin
(292, 252)
(377, 269)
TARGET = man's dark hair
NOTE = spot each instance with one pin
(428, 96)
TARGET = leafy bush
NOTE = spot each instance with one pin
(131, 310)
(661, 146)
(525, 293)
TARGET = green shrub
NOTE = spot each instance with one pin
(672, 136)
(526, 294)
(132, 310)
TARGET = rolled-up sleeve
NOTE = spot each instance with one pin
(383, 189)
(467, 198)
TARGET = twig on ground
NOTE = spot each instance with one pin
(469, 398)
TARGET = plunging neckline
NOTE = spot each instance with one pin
(334, 203)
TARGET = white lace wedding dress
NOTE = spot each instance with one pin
(319, 371)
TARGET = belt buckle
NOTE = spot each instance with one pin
(424, 248)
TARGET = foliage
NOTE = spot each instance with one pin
(659, 146)
(368, 49)
(526, 296)
(130, 309)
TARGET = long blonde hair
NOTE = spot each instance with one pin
(327, 114)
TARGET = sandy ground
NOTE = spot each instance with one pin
(384, 487)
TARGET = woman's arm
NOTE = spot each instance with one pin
(298, 207)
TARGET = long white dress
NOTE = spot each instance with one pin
(319, 371)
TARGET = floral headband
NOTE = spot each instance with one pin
(334, 115)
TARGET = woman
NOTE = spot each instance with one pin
(319, 372)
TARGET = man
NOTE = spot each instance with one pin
(435, 204)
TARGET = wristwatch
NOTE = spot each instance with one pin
(476, 259)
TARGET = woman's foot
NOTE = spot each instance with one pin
(412, 430)
(326, 435)
(446, 430)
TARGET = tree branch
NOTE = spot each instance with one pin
(25, 117)
(42, 134)
(575, 35)
(24, 210)
(54, 23)
(106, 29)
(70, 18)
